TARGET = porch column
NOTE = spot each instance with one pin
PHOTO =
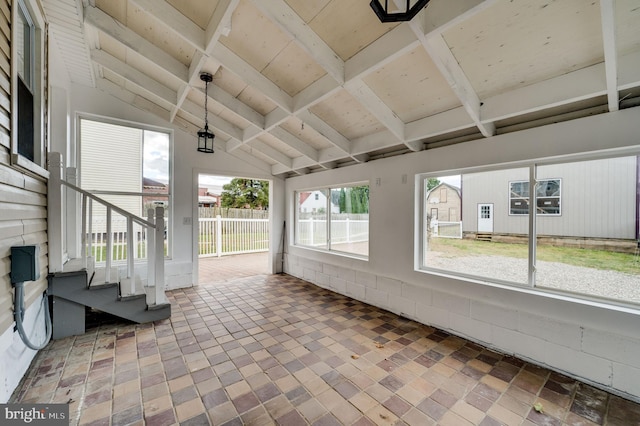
(55, 226)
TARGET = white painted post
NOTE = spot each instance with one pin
(90, 230)
(83, 237)
(71, 229)
(219, 235)
(311, 233)
(54, 212)
(130, 258)
(151, 258)
(109, 248)
(159, 257)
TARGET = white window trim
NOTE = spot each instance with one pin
(110, 120)
(328, 189)
(37, 167)
(420, 239)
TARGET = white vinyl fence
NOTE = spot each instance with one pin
(313, 232)
(97, 229)
(446, 229)
(220, 236)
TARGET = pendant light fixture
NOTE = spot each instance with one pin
(205, 137)
(395, 14)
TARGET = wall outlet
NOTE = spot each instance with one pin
(186, 221)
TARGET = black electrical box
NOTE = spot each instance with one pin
(24, 264)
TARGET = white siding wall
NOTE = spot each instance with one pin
(111, 160)
(23, 214)
(591, 341)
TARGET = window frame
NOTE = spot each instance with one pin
(37, 63)
(531, 286)
(327, 212)
(143, 127)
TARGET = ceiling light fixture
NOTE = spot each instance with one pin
(394, 14)
(205, 137)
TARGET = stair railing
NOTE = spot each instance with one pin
(153, 225)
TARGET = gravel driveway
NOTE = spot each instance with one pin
(579, 279)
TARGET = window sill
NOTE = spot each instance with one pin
(566, 296)
(334, 252)
(29, 166)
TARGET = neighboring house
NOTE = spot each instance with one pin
(207, 198)
(444, 203)
(150, 186)
(316, 201)
(565, 207)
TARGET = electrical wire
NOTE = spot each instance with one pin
(19, 317)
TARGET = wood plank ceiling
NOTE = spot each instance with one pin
(312, 85)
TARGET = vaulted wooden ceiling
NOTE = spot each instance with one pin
(311, 85)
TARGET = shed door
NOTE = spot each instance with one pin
(485, 217)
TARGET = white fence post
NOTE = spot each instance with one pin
(348, 231)
(54, 212)
(159, 257)
(311, 233)
(219, 235)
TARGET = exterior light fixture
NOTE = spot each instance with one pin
(205, 137)
(395, 14)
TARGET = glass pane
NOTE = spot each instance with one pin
(98, 231)
(23, 33)
(350, 219)
(592, 247)
(155, 165)
(487, 241)
(311, 219)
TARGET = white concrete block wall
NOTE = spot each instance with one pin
(494, 314)
(551, 330)
(626, 378)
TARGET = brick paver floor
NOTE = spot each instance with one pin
(273, 349)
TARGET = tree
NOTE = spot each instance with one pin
(432, 183)
(354, 199)
(245, 193)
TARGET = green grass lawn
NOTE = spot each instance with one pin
(598, 259)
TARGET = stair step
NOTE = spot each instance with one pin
(102, 285)
(72, 287)
(484, 237)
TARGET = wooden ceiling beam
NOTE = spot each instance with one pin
(274, 154)
(171, 18)
(252, 77)
(296, 143)
(290, 23)
(608, 16)
(134, 76)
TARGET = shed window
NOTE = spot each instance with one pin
(547, 197)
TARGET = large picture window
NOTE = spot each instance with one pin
(581, 240)
(129, 167)
(334, 219)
